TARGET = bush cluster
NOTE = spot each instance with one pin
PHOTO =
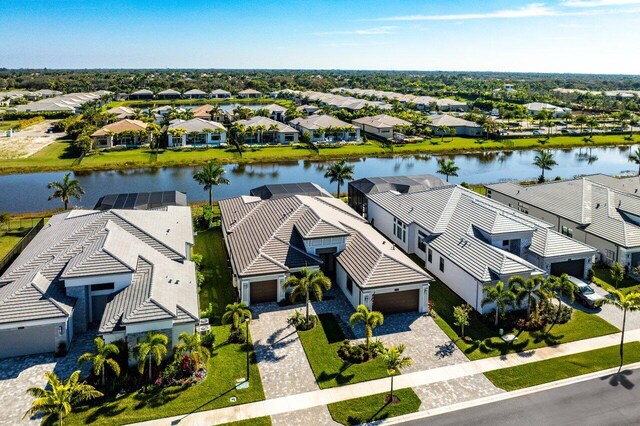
(357, 354)
(301, 323)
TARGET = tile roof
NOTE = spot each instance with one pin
(125, 125)
(450, 121)
(196, 125)
(267, 122)
(316, 122)
(381, 121)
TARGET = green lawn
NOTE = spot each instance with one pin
(485, 343)
(258, 421)
(217, 288)
(59, 156)
(536, 373)
(9, 240)
(8, 124)
(374, 408)
(227, 364)
(321, 346)
(602, 277)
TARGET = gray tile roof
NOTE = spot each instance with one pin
(381, 121)
(414, 183)
(550, 243)
(267, 122)
(196, 125)
(451, 121)
(316, 122)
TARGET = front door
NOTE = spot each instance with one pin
(98, 304)
(328, 256)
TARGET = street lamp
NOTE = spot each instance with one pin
(246, 320)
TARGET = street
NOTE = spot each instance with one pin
(609, 400)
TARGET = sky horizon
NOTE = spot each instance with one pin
(561, 36)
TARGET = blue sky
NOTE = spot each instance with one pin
(582, 36)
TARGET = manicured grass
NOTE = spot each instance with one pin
(485, 343)
(258, 421)
(8, 124)
(602, 278)
(59, 156)
(217, 288)
(9, 240)
(536, 373)
(321, 346)
(374, 408)
(227, 364)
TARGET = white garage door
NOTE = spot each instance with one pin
(28, 340)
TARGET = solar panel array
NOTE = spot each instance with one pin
(141, 200)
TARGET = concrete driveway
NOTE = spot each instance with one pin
(610, 313)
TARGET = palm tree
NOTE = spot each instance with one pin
(191, 344)
(500, 295)
(65, 189)
(394, 361)
(443, 130)
(153, 347)
(102, 358)
(57, 399)
(626, 303)
(545, 161)
(531, 290)
(370, 319)
(447, 168)
(561, 286)
(339, 172)
(209, 176)
(216, 111)
(635, 157)
(581, 119)
(308, 282)
(236, 313)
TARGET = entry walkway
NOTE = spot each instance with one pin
(317, 398)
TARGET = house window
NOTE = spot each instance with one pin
(100, 287)
(567, 231)
(609, 254)
(430, 256)
(505, 242)
(399, 230)
(289, 138)
(421, 244)
(442, 264)
(349, 285)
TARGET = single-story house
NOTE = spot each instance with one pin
(326, 128)
(270, 240)
(600, 210)
(534, 108)
(205, 112)
(220, 94)
(197, 132)
(122, 112)
(268, 131)
(451, 105)
(126, 272)
(308, 109)
(169, 94)
(195, 94)
(276, 112)
(121, 133)
(281, 190)
(381, 126)
(461, 126)
(141, 94)
(249, 93)
(469, 241)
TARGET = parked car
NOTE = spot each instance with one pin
(586, 294)
(564, 131)
(618, 129)
(537, 132)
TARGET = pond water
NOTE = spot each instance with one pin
(29, 193)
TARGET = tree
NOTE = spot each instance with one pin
(102, 358)
(5, 219)
(561, 286)
(490, 127)
(626, 303)
(153, 347)
(65, 189)
(209, 176)
(461, 316)
(545, 161)
(581, 120)
(57, 399)
(242, 113)
(500, 295)
(443, 130)
(635, 157)
(529, 290)
(617, 273)
(236, 313)
(447, 168)
(191, 344)
(394, 361)
(83, 144)
(339, 172)
(237, 133)
(370, 320)
(308, 282)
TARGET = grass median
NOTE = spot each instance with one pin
(373, 408)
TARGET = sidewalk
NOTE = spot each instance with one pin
(419, 378)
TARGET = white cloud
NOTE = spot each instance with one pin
(368, 31)
(597, 3)
(528, 11)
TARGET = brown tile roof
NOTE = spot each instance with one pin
(125, 125)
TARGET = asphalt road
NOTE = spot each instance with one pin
(609, 400)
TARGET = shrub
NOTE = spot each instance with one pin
(300, 322)
(208, 339)
(236, 336)
(357, 354)
(197, 259)
(24, 123)
(549, 312)
(533, 324)
(208, 313)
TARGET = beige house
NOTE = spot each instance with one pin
(264, 130)
(196, 132)
(326, 128)
(205, 112)
(249, 93)
(122, 112)
(381, 125)
(461, 126)
(121, 133)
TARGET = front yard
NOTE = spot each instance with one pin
(602, 278)
(373, 408)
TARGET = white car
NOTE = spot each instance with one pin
(586, 294)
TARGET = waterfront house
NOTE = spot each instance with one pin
(461, 126)
(195, 94)
(326, 128)
(125, 132)
(249, 93)
(196, 132)
(122, 112)
(380, 126)
(263, 130)
(169, 94)
(220, 94)
(142, 94)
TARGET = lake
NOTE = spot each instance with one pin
(28, 192)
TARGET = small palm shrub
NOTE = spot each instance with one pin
(236, 336)
(300, 322)
(357, 354)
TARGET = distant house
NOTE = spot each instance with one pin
(451, 105)
(122, 112)
(462, 127)
(169, 94)
(220, 94)
(267, 131)
(424, 103)
(141, 94)
(195, 94)
(47, 93)
(121, 133)
(249, 93)
(205, 112)
(534, 108)
(276, 112)
(197, 132)
(326, 128)
(381, 126)
(308, 109)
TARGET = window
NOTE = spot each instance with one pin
(430, 256)
(609, 254)
(99, 287)
(399, 229)
(289, 138)
(442, 264)
(349, 285)
(505, 242)
(421, 244)
(567, 231)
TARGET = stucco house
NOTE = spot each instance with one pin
(326, 128)
(169, 94)
(125, 272)
(263, 130)
(197, 132)
(469, 241)
(534, 108)
(142, 94)
(122, 112)
(381, 126)
(195, 94)
(220, 94)
(461, 126)
(121, 133)
(249, 93)
(268, 240)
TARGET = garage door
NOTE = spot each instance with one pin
(397, 301)
(264, 291)
(27, 341)
(571, 267)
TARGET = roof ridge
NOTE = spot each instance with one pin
(50, 299)
(115, 213)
